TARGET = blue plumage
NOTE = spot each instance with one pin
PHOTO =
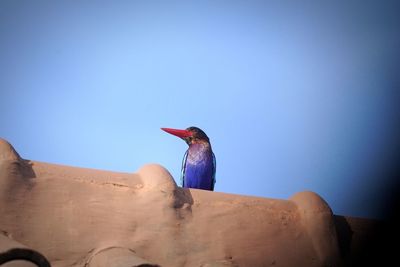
(198, 168)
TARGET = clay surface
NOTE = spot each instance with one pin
(86, 217)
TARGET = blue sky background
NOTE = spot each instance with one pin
(294, 96)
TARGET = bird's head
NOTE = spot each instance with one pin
(190, 135)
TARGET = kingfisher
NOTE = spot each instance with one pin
(199, 164)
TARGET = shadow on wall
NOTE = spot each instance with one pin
(26, 169)
(344, 235)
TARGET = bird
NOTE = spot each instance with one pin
(199, 163)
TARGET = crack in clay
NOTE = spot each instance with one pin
(115, 184)
(81, 180)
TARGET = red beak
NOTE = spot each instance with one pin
(179, 133)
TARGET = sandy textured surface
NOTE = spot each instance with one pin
(85, 217)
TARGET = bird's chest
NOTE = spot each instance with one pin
(198, 154)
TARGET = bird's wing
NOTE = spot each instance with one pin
(183, 169)
(214, 171)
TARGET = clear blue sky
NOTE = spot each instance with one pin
(293, 96)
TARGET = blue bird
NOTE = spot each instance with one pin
(198, 165)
